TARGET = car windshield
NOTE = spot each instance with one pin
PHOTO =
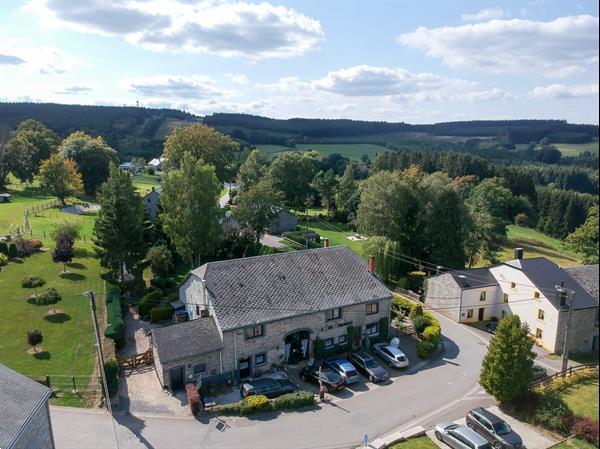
(351, 373)
(330, 376)
(502, 428)
(370, 363)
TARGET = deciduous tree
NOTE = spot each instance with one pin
(60, 178)
(34, 338)
(251, 171)
(63, 251)
(161, 260)
(325, 183)
(292, 173)
(584, 240)
(258, 206)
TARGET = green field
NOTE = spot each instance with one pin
(23, 197)
(582, 398)
(68, 346)
(144, 183)
(573, 149)
(273, 149)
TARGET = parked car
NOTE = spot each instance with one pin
(491, 327)
(344, 368)
(460, 437)
(368, 366)
(539, 372)
(271, 388)
(391, 354)
(330, 379)
(494, 429)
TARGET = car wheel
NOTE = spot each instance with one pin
(497, 445)
(438, 436)
(469, 424)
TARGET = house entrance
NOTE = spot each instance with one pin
(481, 314)
(244, 367)
(177, 378)
(296, 346)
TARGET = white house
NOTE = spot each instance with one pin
(156, 163)
(526, 287)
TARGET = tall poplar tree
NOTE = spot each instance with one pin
(119, 229)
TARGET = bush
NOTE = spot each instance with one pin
(587, 429)
(161, 314)
(3, 259)
(402, 305)
(384, 328)
(32, 282)
(111, 370)
(3, 247)
(420, 322)
(404, 283)
(253, 404)
(425, 349)
(293, 400)
(416, 311)
(50, 296)
(12, 250)
(148, 302)
(193, 398)
(432, 333)
(114, 315)
(26, 247)
(228, 409)
(162, 283)
(552, 413)
(36, 244)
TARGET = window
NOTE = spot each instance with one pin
(505, 297)
(199, 368)
(328, 343)
(470, 313)
(563, 299)
(372, 308)
(482, 296)
(539, 333)
(372, 329)
(513, 285)
(342, 339)
(333, 314)
(260, 359)
(255, 331)
(536, 295)
(541, 315)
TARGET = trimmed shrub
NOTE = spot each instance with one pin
(293, 400)
(3, 259)
(228, 409)
(587, 429)
(402, 305)
(50, 296)
(12, 250)
(3, 247)
(193, 398)
(432, 333)
(32, 282)
(420, 322)
(111, 370)
(425, 349)
(416, 311)
(255, 403)
(114, 315)
(552, 413)
(148, 302)
(161, 314)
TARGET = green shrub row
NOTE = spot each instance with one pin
(402, 305)
(428, 329)
(111, 370)
(297, 399)
(259, 403)
(114, 315)
(161, 313)
(148, 302)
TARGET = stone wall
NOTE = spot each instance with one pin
(38, 434)
(582, 330)
(211, 360)
(443, 293)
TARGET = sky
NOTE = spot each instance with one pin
(412, 61)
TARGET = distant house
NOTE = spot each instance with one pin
(5, 197)
(251, 313)
(151, 200)
(127, 166)
(525, 287)
(285, 221)
(24, 413)
(156, 163)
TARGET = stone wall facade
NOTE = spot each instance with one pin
(442, 292)
(583, 330)
(38, 433)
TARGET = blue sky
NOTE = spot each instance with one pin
(413, 61)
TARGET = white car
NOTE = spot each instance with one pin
(393, 356)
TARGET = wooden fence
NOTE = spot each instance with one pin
(136, 360)
(562, 374)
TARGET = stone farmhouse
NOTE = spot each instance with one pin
(24, 413)
(526, 287)
(250, 315)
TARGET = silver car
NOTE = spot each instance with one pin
(391, 354)
(460, 437)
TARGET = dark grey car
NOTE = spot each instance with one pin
(493, 429)
(368, 366)
(460, 437)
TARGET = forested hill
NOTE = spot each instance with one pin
(256, 129)
(130, 130)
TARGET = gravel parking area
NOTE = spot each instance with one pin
(136, 340)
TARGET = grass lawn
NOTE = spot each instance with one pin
(23, 197)
(349, 150)
(573, 149)
(273, 149)
(423, 442)
(582, 398)
(574, 443)
(337, 234)
(144, 183)
(68, 346)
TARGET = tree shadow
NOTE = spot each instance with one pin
(72, 276)
(57, 318)
(77, 266)
(44, 355)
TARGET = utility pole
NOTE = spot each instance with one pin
(90, 295)
(565, 353)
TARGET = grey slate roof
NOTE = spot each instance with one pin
(545, 274)
(188, 339)
(277, 286)
(477, 277)
(587, 277)
(20, 397)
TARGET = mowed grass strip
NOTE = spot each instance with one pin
(68, 346)
(582, 398)
(423, 442)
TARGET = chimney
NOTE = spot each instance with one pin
(325, 243)
(371, 264)
(519, 253)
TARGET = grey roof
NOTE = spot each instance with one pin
(277, 286)
(545, 274)
(188, 339)
(587, 277)
(475, 278)
(20, 398)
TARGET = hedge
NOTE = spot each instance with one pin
(193, 398)
(161, 313)
(111, 370)
(402, 305)
(114, 315)
(148, 302)
(293, 400)
(259, 403)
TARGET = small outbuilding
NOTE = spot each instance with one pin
(5, 197)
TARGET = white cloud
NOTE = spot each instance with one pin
(10, 60)
(175, 86)
(74, 90)
(558, 48)
(485, 14)
(564, 91)
(42, 59)
(252, 30)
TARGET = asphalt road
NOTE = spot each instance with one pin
(443, 387)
